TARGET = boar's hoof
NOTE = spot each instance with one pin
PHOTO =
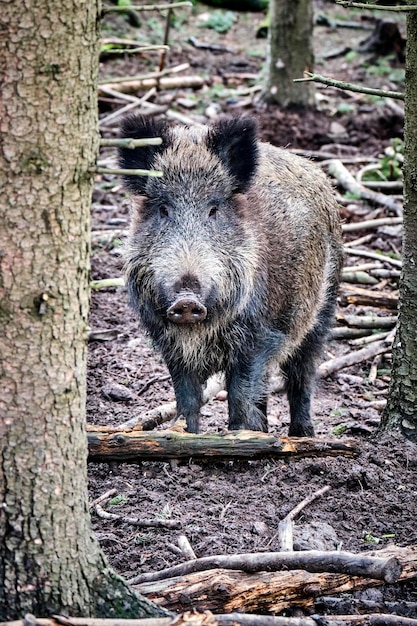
(187, 310)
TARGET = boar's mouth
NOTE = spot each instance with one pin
(187, 309)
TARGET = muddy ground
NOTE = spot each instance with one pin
(230, 507)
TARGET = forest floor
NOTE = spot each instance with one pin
(235, 506)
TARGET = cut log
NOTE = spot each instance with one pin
(356, 295)
(225, 591)
(136, 446)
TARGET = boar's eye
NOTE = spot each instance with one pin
(213, 212)
(163, 211)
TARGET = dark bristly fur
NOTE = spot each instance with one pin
(233, 264)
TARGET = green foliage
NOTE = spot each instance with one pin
(345, 107)
(220, 21)
(390, 166)
(370, 538)
(165, 513)
(382, 67)
(118, 500)
(351, 56)
(339, 430)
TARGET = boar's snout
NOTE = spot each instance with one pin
(187, 310)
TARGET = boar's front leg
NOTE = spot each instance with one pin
(188, 395)
(247, 381)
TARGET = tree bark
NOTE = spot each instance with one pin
(135, 446)
(400, 413)
(49, 560)
(290, 53)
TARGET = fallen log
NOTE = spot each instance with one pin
(358, 356)
(135, 446)
(332, 561)
(167, 82)
(221, 590)
(206, 618)
(376, 619)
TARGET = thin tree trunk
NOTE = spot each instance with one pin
(49, 560)
(290, 52)
(400, 413)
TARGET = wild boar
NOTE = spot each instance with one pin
(233, 264)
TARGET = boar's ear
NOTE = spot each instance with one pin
(139, 127)
(234, 142)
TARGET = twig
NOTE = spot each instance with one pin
(359, 241)
(148, 7)
(134, 50)
(103, 497)
(142, 77)
(386, 186)
(166, 36)
(152, 381)
(286, 525)
(106, 283)
(373, 372)
(135, 521)
(331, 82)
(133, 104)
(130, 143)
(186, 548)
(363, 341)
(353, 358)
(121, 172)
(372, 255)
(371, 224)
(163, 413)
(378, 7)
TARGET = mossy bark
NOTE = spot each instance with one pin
(290, 53)
(49, 559)
(401, 410)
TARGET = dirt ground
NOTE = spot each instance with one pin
(233, 507)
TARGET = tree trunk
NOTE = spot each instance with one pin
(49, 560)
(290, 52)
(400, 413)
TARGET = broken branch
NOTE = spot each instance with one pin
(348, 182)
(314, 561)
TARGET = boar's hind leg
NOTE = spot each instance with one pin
(300, 374)
(189, 397)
